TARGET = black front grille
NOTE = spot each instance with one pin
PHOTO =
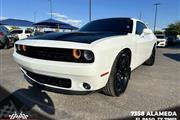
(59, 82)
(46, 53)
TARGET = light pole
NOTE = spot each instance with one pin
(50, 1)
(0, 9)
(35, 13)
(155, 18)
(89, 10)
(140, 16)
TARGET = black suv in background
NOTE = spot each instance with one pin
(6, 39)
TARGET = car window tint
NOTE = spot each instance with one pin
(16, 31)
(27, 31)
(20, 31)
(160, 37)
(13, 32)
(140, 27)
(3, 29)
(120, 25)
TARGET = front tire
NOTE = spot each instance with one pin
(119, 76)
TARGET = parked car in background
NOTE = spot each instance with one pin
(171, 39)
(6, 39)
(161, 40)
(21, 33)
(100, 56)
(36, 33)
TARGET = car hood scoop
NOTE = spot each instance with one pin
(81, 37)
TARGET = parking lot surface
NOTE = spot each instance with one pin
(151, 88)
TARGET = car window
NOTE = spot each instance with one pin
(140, 27)
(16, 31)
(19, 31)
(3, 29)
(13, 32)
(160, 37)
(0, 29)
(28, 31)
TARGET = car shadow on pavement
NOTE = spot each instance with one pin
(174, 46)
(23, 101)
(174, 56)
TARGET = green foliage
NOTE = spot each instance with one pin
(173, 29)
(14, 27)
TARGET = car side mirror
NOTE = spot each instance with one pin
(147, 31)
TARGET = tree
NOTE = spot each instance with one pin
(173, 29)
(14, 27)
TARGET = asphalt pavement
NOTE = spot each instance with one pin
(151, 88)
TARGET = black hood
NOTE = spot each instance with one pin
(81, 37)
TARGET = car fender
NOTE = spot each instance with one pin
(106, 50)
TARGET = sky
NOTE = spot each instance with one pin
(76, 12)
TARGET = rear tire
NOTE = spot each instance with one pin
(119, 76)
(151, 60)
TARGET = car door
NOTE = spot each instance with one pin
(4, 31)
(20, 34)
(27, 33)
(142, 42)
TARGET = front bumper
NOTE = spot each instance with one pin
(51, 88)
(161, 43)
(78, 73)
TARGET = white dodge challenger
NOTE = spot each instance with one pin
(100, 56)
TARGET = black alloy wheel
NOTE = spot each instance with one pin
(119, 76)
(122, 74)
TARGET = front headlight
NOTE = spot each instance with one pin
(21, 48)
(18, 47)
(88, 55)
(84, 56)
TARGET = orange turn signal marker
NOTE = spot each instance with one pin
(104, 74)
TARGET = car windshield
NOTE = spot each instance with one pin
(4, 29)
(118, 25)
